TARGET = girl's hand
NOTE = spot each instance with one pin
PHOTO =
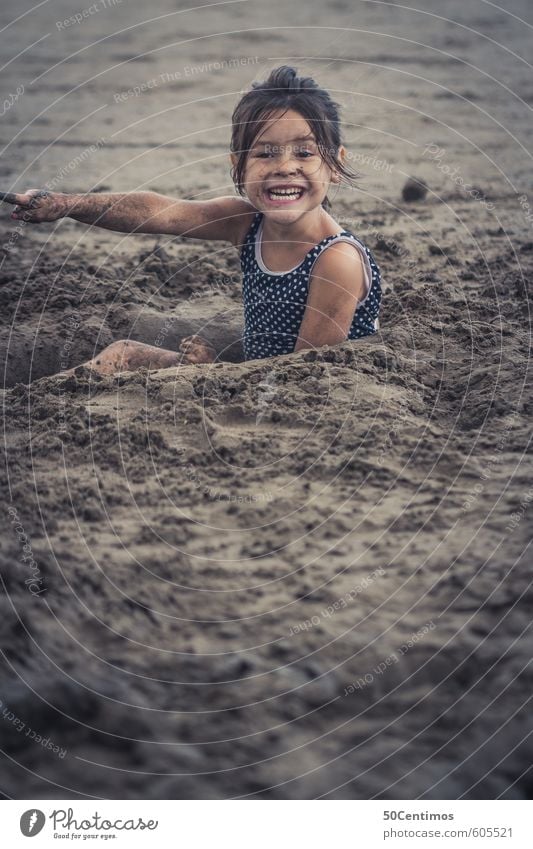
(197, 350)
(38, 205)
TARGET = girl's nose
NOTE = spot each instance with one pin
(287, 163)
(287, 166)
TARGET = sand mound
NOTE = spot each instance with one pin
(243, 547)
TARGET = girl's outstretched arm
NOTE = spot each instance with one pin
(136, 212)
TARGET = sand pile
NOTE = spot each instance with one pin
(229, 556)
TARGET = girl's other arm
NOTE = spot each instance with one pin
(138, 212)
(337, 285)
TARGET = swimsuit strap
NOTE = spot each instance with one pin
(252, 230)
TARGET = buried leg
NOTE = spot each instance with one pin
(127, 355)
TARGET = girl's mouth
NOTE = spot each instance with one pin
(284, 196)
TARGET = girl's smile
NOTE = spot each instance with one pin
(284, 193)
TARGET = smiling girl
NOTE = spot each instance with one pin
(306, 281)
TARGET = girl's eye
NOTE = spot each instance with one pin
(304, 153)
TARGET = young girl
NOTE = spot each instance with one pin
(306, 281)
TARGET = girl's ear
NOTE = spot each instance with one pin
(233, 159)
(341, 155)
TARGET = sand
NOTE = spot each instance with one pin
(305, 577)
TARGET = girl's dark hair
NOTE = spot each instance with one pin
(284, 89)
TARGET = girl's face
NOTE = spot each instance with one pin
(285, 176)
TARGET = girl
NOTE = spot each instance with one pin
(306, 281)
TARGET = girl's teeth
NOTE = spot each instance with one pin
(285, 193)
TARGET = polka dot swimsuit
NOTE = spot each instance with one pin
(274, 302)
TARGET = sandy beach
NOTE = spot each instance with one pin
(294, 578)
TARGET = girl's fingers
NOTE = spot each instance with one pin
(12, 197)
(25, 199)
(197, 350)
(22, 212)
(25, 202)
(196, 340)
(189, 342)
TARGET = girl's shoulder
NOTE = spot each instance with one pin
(372, 272)
(348, 235)
(361, 243)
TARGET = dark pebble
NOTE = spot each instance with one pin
(414, 189)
